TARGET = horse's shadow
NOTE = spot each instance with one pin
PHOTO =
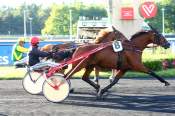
(3, 114)
(155, 103)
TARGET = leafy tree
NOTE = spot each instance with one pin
(59, 19)
(169, 7)
(12, 19)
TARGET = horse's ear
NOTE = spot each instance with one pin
(113, 28)
(152, 28)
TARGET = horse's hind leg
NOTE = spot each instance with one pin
(118, 75)
(86, 78)
(112, 76)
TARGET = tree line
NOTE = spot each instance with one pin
(51, 20)
(55, 19)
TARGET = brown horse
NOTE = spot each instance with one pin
(106, 35)
(128, 59)
(62, 51)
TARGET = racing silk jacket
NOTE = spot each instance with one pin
(17, 53)
(34, 55)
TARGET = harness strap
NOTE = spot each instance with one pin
(119, 61)
(133, 49)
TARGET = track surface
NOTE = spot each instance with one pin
(131, 97)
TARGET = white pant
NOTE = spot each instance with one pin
(43, 64)
(22, 61)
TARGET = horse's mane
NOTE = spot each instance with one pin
(102, 34)
(138, 34)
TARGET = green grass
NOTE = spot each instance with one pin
(170, 73)
(11, 72)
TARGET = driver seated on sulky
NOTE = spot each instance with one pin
(35, 53)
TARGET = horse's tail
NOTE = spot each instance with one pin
(61, 55)
(47, 48)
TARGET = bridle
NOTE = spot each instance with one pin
(157, 35)
(157, 38)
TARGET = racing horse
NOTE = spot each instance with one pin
(128, 59)
(106, 35)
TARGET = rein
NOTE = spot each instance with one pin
(131, 47)
(79, 57)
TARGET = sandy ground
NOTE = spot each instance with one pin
(130, 97)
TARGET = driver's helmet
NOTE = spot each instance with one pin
(34, 41)
(21, 39)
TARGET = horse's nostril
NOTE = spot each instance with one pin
(168, 44)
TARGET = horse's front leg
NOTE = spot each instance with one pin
(141, 68)
(86, 78)
(158, 77)
(118, 75)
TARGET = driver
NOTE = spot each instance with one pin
(18, 53)
(35, 53)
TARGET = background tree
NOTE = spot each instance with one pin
(12, 19)
(55, 19)
(169, 7)
(59, 19)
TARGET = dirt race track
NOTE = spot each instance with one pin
(131, 97)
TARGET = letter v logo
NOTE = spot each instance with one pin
(148, 9)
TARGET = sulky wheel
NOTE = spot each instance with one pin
(56, 88)
(68, 80)
(33, 82)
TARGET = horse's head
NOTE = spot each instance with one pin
(159, 39)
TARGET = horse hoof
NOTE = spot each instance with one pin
(96, 81)
(110, 81)
(97, 90)
(71, 90)
(98, 97)
(100, 94)
(167, 84)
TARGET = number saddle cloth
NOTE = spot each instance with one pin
(117, 46)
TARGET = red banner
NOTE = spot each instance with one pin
(127, 13)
